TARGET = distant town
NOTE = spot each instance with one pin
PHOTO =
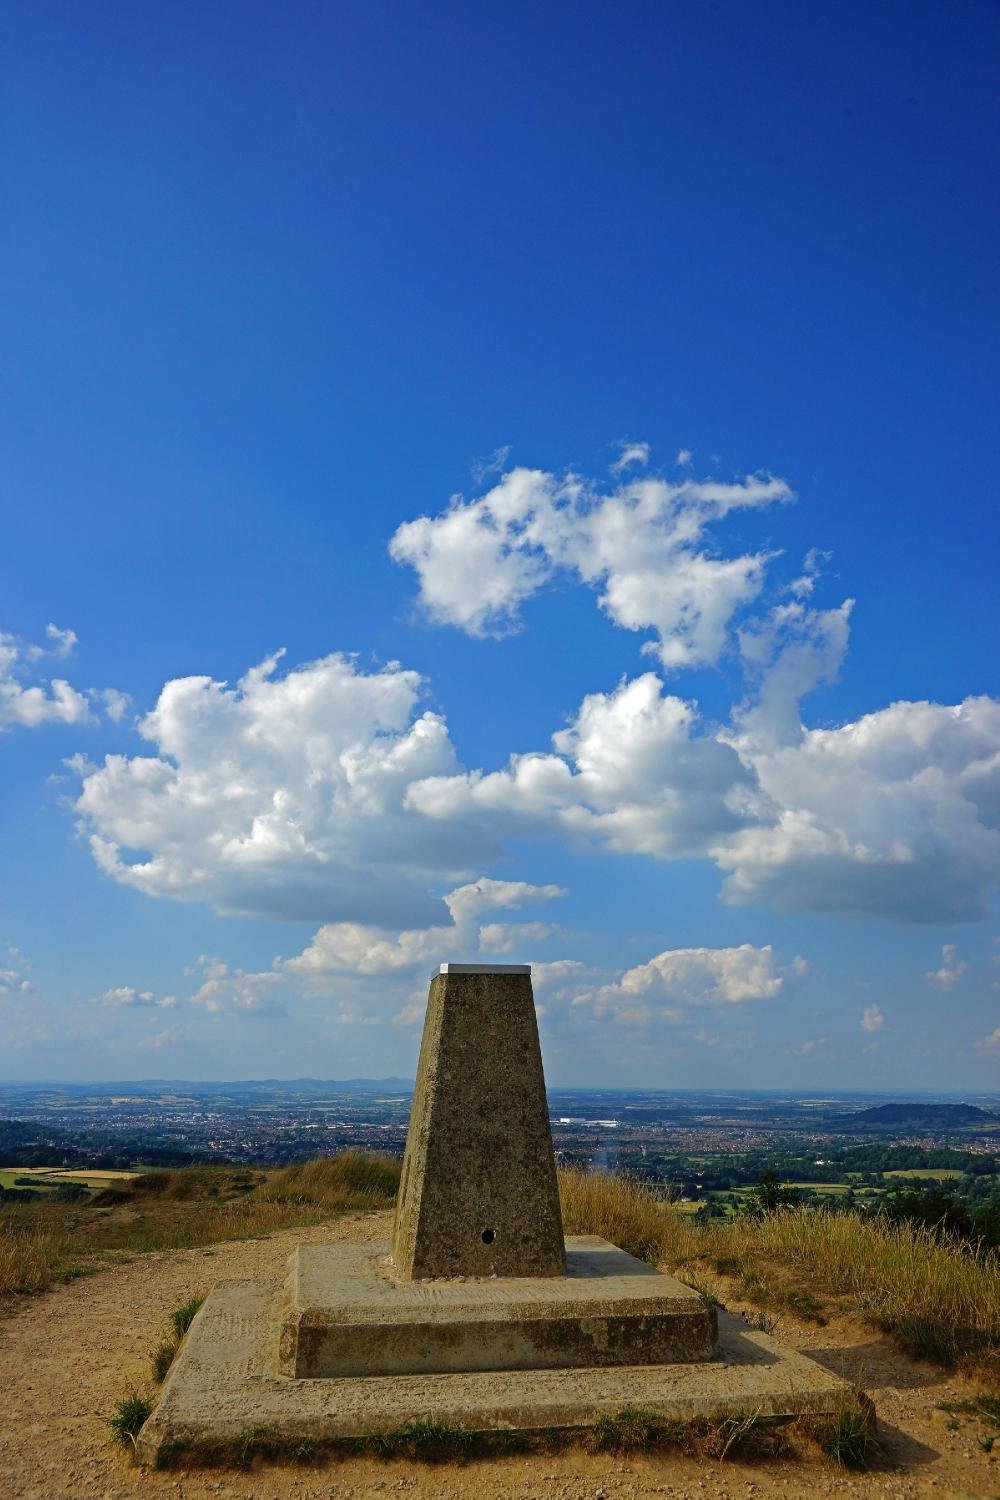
(702, 1149)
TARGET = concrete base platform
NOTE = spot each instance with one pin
(345, 1314)
(223, 1393)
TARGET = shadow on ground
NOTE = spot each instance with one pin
(879, 1363)
(901, 1449)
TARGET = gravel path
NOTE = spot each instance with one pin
(67, 1357)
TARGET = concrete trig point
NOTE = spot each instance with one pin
(479, 1314)
(479, 1195)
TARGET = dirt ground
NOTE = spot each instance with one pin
(68, 1356)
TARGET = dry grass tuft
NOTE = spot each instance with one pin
(27, 1255)
(42, 1241)
(627, 1212)
(182, 1184)
(744, 1433)
(940, 1298)
(353, 1180)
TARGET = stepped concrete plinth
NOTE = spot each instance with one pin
(224, 1393)
(479, 1315)
(344, 1314)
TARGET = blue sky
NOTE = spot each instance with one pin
(517, 373)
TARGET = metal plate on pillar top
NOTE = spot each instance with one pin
(485, 969)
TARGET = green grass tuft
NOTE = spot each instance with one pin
(849, 1435)
(726, 1432)
(986, 1405)
(423, 1439)
(129, 1417)
(180, 1321)
(163, 1358)
(704, 1292)
(184, 1317)
(632, 1429)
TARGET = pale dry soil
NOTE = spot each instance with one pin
(68, 1356)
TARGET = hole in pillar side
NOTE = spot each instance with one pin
(489, 1235)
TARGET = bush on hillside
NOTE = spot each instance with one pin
(928, 1206)
(71, 1192)
(18, 1195)
(769, 1196)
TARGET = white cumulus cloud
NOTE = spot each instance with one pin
(808, 1049)
(872, 1018)
(60, 643)
(358, 948)
(470, 901)
(630, 772)
(894, 815)
(631, 453)
(126, 996)
(13, 983)
(513, 937)
(30, 704)
(952, 968)
(283, 796)
(225, 989)
(361, 967)
(682, 977)
(115, 703)
(324, 793)
(642, 547)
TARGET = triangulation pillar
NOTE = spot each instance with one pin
(478, 1195)
(481, 1317)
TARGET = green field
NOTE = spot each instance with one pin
(935, 1173)
(744, 1195)
(820, 1187)
(47, 1179)
(749, 1189)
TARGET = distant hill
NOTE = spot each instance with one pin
(158, 1087)
(924, 1114)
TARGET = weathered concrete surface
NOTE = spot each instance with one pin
(344, 1315)
(223, 1390)
(478, 1195)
